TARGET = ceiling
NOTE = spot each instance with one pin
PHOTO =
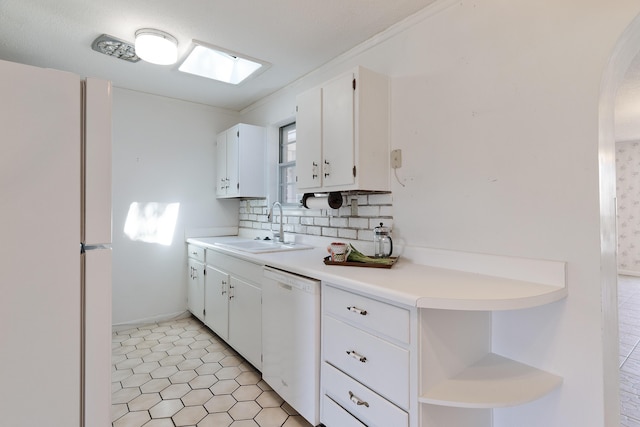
(294, 36)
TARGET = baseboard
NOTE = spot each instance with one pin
(145, 321)
(629, 273)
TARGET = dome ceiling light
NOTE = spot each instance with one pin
(156, 47)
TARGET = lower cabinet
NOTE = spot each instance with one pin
(233, 303)
(216, 301)
(195, 282)
(245, 320)
(365, 373)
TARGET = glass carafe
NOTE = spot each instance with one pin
(382, 243)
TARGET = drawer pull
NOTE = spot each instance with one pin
(355, 309)
(357, 356)
(355, 399)
(194, 253)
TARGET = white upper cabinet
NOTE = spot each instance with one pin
(240, 162)
(343, 134)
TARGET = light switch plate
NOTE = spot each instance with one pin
(396, 159)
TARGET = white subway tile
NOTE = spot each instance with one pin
(322, 221)
(314, 231)
(339, 222)
(329, 232)
(347, 233)
(358, 222)
(386, 211)
(380, 199)
(369, 211)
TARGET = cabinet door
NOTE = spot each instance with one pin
(245, 320)
(233, 161)
(309, 139)
(195, 288)
(221, 164)
(216, 302)
(338, 132)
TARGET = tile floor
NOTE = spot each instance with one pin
(629, 321)
(179, 373)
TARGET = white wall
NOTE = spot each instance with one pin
(163, 151)
(495, 105)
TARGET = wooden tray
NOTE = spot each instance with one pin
(327, 261)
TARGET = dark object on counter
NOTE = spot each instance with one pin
(334, 199)
(327, 261)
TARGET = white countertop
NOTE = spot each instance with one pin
(406, 282)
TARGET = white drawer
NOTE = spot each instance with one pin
(195, 252)
(367, 406)
(379, 317)
(380, 365)
(333, 415)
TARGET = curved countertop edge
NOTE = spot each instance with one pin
(406, 283)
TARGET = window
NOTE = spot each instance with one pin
(287, 166)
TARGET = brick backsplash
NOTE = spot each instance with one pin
(371, 210)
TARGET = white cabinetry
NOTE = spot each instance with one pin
(233, 303)
(343, 134)
(240, 162)
(216, 302)
(195, 283)
(245, 319)
(428, 365)
(366, 353)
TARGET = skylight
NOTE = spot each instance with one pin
(218, 64)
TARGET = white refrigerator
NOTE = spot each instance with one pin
(55, 248)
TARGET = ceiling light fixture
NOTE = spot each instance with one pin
(156, 46)
(220, 64)
(114, 47)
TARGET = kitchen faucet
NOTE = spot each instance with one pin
(279, 235)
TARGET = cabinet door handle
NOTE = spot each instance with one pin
(224, 289)
(357, 356)
(314, 171)
(357, 310)
(230, 292)
(190, 272)
(327, 169)
(355, 399)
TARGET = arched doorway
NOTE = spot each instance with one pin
(626, 49)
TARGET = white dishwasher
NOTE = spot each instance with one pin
(291, 340)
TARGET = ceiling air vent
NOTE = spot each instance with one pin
(117, 48)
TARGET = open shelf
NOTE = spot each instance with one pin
(492, 382)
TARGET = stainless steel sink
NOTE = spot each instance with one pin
(262, 246)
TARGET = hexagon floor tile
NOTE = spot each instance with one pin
(179, 373)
